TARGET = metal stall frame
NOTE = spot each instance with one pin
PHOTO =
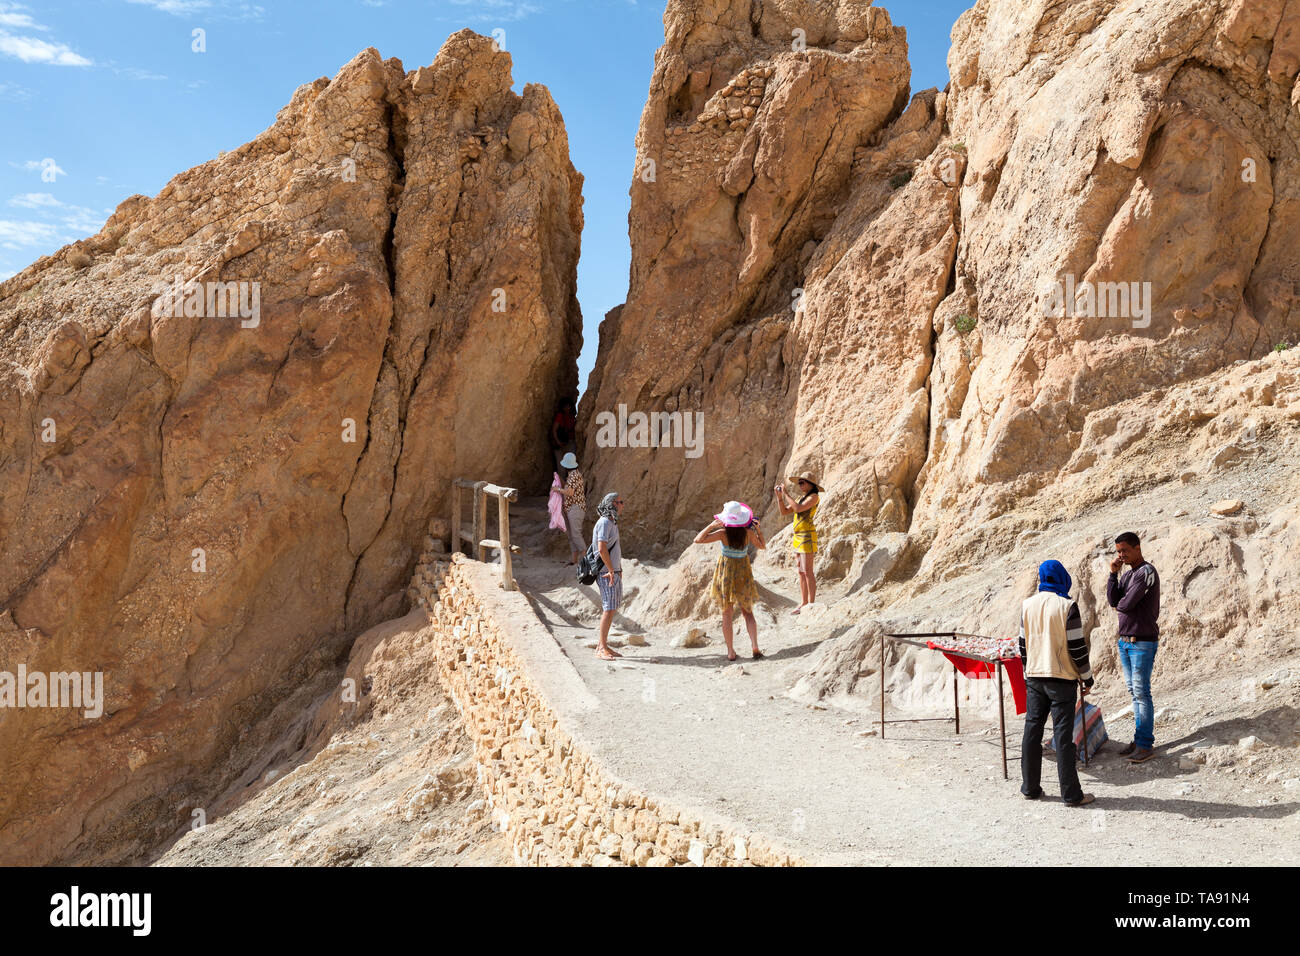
(914, 639)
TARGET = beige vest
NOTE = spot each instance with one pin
(1043, 618)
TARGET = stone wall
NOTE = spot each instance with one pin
(545, 788)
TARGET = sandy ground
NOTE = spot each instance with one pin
(728, 740)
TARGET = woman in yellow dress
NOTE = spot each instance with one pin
(733, 577)
(805, 532)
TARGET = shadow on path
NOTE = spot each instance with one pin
(719, 657)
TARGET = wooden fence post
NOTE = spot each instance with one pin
(455, 517)
(503, 521)
(480, 520)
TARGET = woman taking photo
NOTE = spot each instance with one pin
(805, 533)
(733, 578)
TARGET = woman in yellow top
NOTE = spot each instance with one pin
(805, 534)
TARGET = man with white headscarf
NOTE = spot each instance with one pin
(610, 580)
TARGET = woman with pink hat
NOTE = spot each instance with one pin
(733, 578)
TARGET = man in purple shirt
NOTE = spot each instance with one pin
(1136, 596)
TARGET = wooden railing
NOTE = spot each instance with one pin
(475, 538)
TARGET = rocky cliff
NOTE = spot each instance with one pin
(1139, 152)
(1003, 322)
(228, 419)
(769, 254)
(880, 293)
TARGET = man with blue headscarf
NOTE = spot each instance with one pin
(1055, 655)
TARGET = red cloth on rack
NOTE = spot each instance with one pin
(980, 669)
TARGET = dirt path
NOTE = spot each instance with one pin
(725, 739)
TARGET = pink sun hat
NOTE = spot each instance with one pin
(735, 514)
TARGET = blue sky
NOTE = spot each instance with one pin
(100, 99)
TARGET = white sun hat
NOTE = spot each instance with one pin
(569, 461)
(735, 514)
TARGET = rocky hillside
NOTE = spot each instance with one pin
(227, 420)
(1003, 322)
(834, 278)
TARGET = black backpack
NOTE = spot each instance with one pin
(590, 565)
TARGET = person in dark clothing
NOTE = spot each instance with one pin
(1055, 655)
(564, 433)
(1136, 596)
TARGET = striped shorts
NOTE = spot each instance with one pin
(611, 595)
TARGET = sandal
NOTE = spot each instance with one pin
(757, 655)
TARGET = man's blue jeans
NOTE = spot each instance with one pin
(1137, 660)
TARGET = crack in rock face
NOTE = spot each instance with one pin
(207, 505)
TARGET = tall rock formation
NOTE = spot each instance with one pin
(879, 294)
(208, 509)
(765, 256)
(1147, 153)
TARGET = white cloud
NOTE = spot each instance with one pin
(225, 9)
(13, 15)
(36, 50)
(497, 11)
(17, 233)
(31, 49)
(14, 93)
(180, 8)
(7, 275)
(72, 221)
(82, 221)
(136, 73)
(34, 201)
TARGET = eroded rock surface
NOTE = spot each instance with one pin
(868, 291)
(414, 239)
(761, 215)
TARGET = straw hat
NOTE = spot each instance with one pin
(807, 476)
(569, 461)
(735, 514)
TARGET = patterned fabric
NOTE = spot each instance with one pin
(1096, 730)
(611, 595)
(575, 491)
(805, 535)
(733, 583)
(989, 648)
